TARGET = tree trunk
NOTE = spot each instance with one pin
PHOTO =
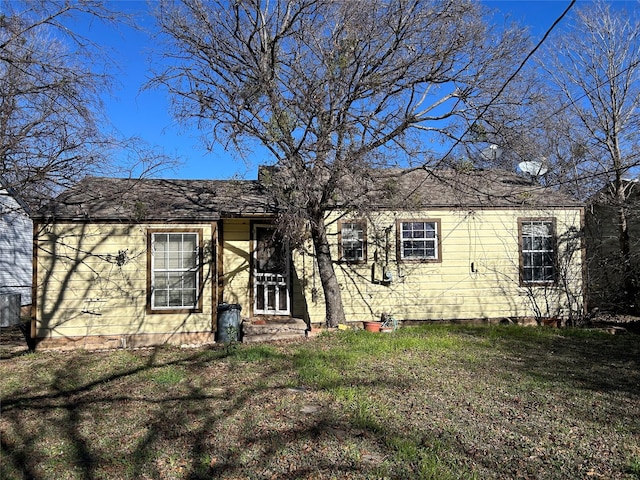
(330, 286)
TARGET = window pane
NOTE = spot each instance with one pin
(175, 280)
(189, 280)
(282, 301)
(189, 243)
(419, 240)
(537, 259)
(538, 273)
(159, 250)
(159, 297)
(271, 253)
(260, 297)
(189, 297)
(189, 259)
(161, 281)
(538, 254)
(175, 298)
(160, 261)
(175, 260)
(175, 242)
(539, 243)
(352, 234)
(430, 230)
(271, 297)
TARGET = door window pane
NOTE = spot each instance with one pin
(270, 273)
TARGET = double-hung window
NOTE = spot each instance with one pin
(175, 274)
(352, 240)
(537, 251)
(419, 240)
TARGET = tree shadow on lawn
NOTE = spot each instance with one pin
(585, 359)
(159, 418)
(78, 419)
(602, 362)
(214, 413)
(586, 375)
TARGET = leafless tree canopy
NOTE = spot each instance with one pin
(325, 82)
(52, 125)
(49, 98)
(594, 69)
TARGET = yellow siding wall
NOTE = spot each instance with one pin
(236, 248)
(449, 290)
(81, 291)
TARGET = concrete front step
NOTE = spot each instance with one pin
(271, 330)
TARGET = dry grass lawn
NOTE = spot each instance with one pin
(427, 402)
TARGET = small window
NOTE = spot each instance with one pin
(174, 271)
(537, 251)
(352, 240)
(419, 240)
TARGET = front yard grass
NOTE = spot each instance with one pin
(441, 402)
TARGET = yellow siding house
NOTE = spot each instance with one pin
(126, 262)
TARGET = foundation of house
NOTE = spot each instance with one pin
(258, 329)
(106, 342)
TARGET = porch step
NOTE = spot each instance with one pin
(272, 330)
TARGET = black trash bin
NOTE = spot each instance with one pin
(229, 322)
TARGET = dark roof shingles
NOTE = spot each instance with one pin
(96, 198)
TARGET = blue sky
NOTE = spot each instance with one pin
(146, 114)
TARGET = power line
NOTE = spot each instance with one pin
(514, 74)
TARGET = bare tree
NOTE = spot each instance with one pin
(52, 127)
(594, 67)
(332, 89)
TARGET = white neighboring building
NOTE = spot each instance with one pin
(16, 244)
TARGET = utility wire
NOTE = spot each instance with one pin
(514, 74)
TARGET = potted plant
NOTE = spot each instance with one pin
(372, 326)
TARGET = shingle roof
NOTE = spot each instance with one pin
(96, 198)
(606, 195)
(472, 188)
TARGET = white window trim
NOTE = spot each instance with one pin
(436, 240)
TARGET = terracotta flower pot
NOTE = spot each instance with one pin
(371, 326)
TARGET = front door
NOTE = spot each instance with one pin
(270, 273)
